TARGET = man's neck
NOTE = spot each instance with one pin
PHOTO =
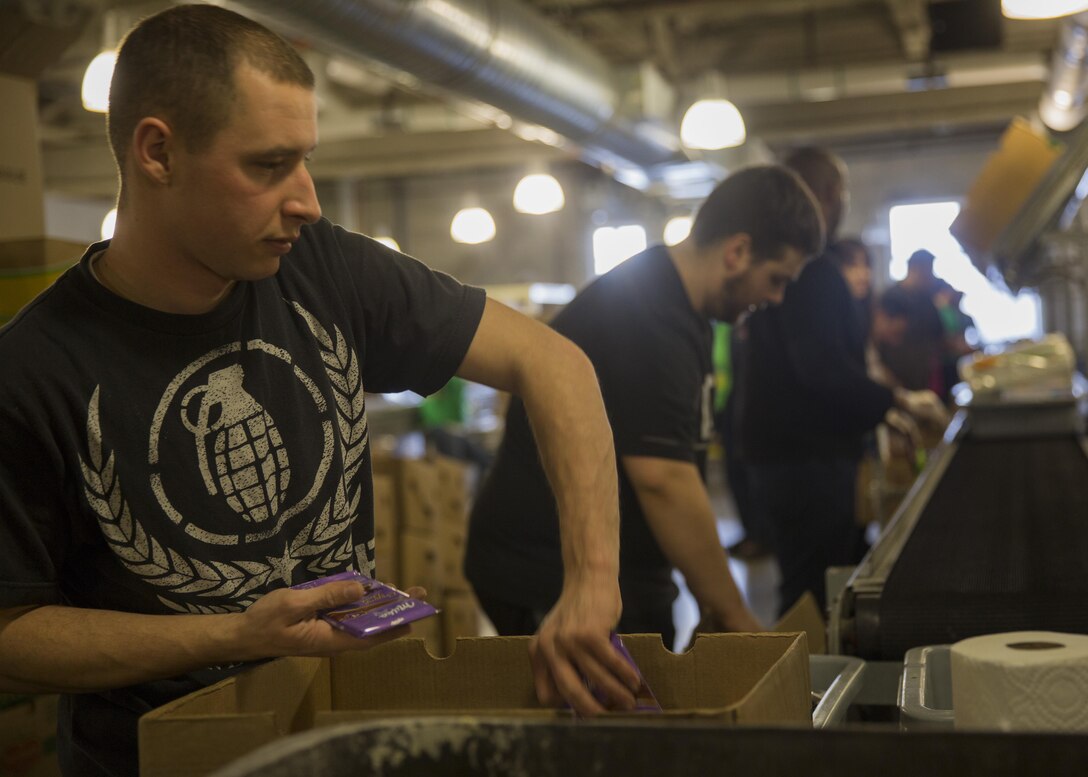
(691, 272)
(142, 272)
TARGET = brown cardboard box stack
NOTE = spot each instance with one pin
(421, 520)
(28, 737)
(727, 679)
(29, 262)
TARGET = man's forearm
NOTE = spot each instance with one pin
(682, 520)
(54, 649)
(74, 649)
(564, 405)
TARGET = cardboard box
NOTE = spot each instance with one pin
(805, 615)
(22, 211)
(460, 618)
(386, 546)
(28, 267)
(419, 562)
(28, 736)
(730, 679)
(456, 485)
(451, 555)
(416, 488)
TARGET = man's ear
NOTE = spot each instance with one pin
(736, 253)
(153, 146)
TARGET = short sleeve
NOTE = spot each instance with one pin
(653, 386)
(418, 322)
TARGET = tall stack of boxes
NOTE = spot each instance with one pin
(29, 261)
(420, 524)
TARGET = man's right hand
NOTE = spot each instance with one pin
(285, 622)
(923, 405)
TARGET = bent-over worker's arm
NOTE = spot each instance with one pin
(558, 386)
(59, 649)
(677, 508)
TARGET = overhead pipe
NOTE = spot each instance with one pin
(500, 52)
(1064, 104)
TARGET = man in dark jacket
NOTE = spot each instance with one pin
(808, 404)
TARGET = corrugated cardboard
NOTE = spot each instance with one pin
(451, 555)
(386, 547)
(416, 487)
(729, 678)
(419, 562)
(460, 618)
(805, 616)
(22, 212)
(28, 739)
(28, 267)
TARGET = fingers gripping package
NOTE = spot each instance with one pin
(645, 701)
(381, 607)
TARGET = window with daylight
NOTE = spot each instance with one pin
(615, 245)
(999, 316)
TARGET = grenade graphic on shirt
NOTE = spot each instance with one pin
(235, 433)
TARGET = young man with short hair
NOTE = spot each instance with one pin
(185, 417)
(646, 327)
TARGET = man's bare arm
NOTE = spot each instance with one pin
(57, 649)
(559, 388)
(678, 511)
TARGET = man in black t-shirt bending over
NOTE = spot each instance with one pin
(184, 416)
(646, 327)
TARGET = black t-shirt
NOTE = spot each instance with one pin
(651, 351)
(806, 390)
(161, 463)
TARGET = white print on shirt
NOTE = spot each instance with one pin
(242, 460)
(706, 415)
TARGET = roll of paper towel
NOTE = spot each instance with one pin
(1021, 681)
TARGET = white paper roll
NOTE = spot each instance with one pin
(1021, 681)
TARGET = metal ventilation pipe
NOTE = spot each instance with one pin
(1064, 104)
(499, 52)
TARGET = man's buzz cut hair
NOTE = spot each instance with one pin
(179, 66)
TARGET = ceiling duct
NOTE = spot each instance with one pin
(1063, 104)
(499, 52)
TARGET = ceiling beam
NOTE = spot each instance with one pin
(937, 111)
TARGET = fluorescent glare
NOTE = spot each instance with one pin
(538, 194)
(96, 82)
(1042, 9)
(472, 226)
(388, 241)
(614, 245)
(108, 224)
(677, 229)
(712, 124)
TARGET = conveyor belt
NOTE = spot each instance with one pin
(1002, 545)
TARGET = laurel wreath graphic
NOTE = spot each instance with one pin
(326, 541)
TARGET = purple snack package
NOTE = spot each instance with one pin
(645, 701)
(381, 607)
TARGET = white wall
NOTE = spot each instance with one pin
(78, 219)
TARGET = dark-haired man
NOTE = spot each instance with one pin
(808, 401)
(184, 409)
(646, 327)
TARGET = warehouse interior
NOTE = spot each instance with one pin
(427, 108)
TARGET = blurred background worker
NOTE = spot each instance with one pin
(916, 361)
(808, 402)
(646, 327)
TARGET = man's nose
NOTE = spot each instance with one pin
(301, 202)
